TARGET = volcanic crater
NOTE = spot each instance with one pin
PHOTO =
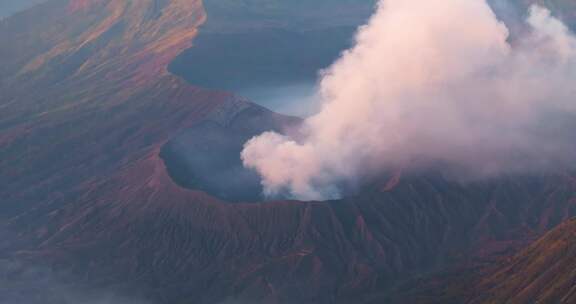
(206, 156)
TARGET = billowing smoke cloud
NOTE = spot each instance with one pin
(431, 83)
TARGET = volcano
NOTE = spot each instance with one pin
(127, 178)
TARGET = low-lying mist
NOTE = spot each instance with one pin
(296, 99)
(25, 279)
(276, 68)
(438, 83)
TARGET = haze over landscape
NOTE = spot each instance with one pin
(287, 152)
(10, 7)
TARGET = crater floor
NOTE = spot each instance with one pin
(206, 156)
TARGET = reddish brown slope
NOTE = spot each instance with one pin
(85, 90)
(138, 228)
(89, 108)
(545, 272)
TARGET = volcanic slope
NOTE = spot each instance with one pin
(88, 106)
(85, 91)
(545, 272)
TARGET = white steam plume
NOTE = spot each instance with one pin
(428, 83)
